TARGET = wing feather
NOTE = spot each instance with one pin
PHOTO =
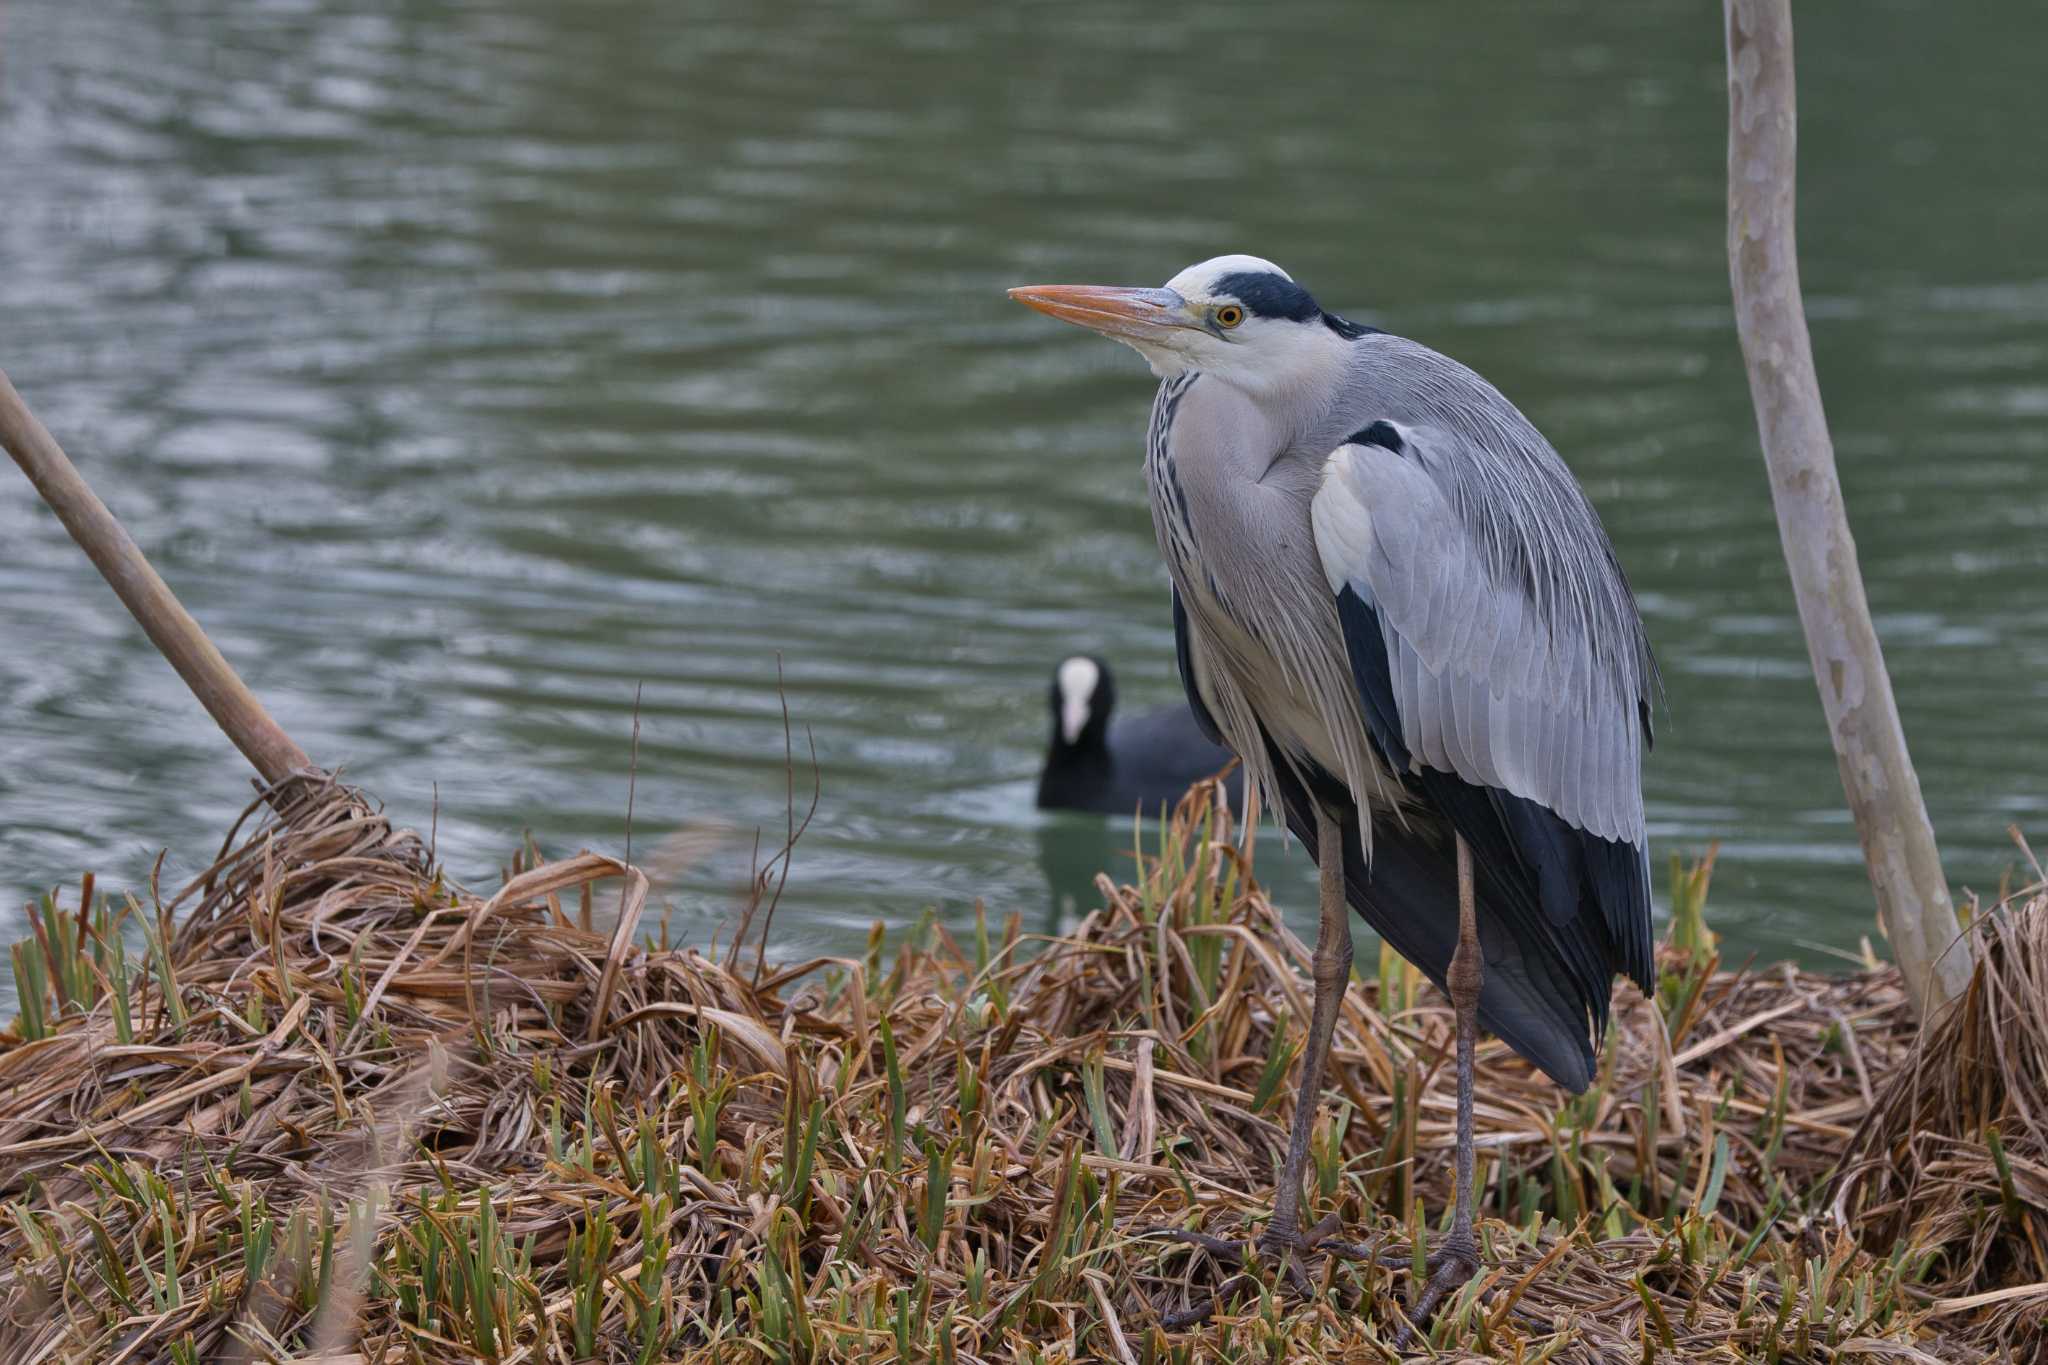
(1518, 724)
(1477, 666)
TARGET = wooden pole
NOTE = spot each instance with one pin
(1848, 665)
(224, 695)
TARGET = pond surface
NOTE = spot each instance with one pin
(468, 368)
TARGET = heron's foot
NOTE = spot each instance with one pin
(1284, 1251)
(1451, 1266)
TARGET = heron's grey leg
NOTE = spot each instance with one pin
(1332, 970)
(1457, 1257)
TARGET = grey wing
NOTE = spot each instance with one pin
(1511, 708)
(1487, 683)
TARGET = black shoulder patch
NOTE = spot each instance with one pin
(1378, 434)
(1346, 328)
(1270, 296)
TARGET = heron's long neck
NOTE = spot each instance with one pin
(1231, 490)
(1162, 481)
(1227, 494)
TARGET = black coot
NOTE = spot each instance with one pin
(1116, 765)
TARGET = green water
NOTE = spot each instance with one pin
(467, 366)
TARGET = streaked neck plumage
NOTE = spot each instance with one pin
(1232, 477)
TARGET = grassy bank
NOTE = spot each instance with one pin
(325, 1105)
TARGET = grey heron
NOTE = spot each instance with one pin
(1397, 607)
(1114, 764)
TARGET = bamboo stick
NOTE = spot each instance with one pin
(169, 626)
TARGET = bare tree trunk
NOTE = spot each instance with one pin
(224, 695)
(1848, 665)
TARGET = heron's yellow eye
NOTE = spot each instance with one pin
(1229, 315)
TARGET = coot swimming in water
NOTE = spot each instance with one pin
(1097, 763)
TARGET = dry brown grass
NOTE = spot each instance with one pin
(1954, 1156)
(344, 1110)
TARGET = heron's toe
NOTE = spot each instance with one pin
(1286, 1252)
(1451, 1266)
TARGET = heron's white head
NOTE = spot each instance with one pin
(1239, 318)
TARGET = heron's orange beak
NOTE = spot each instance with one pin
(1127, 314)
